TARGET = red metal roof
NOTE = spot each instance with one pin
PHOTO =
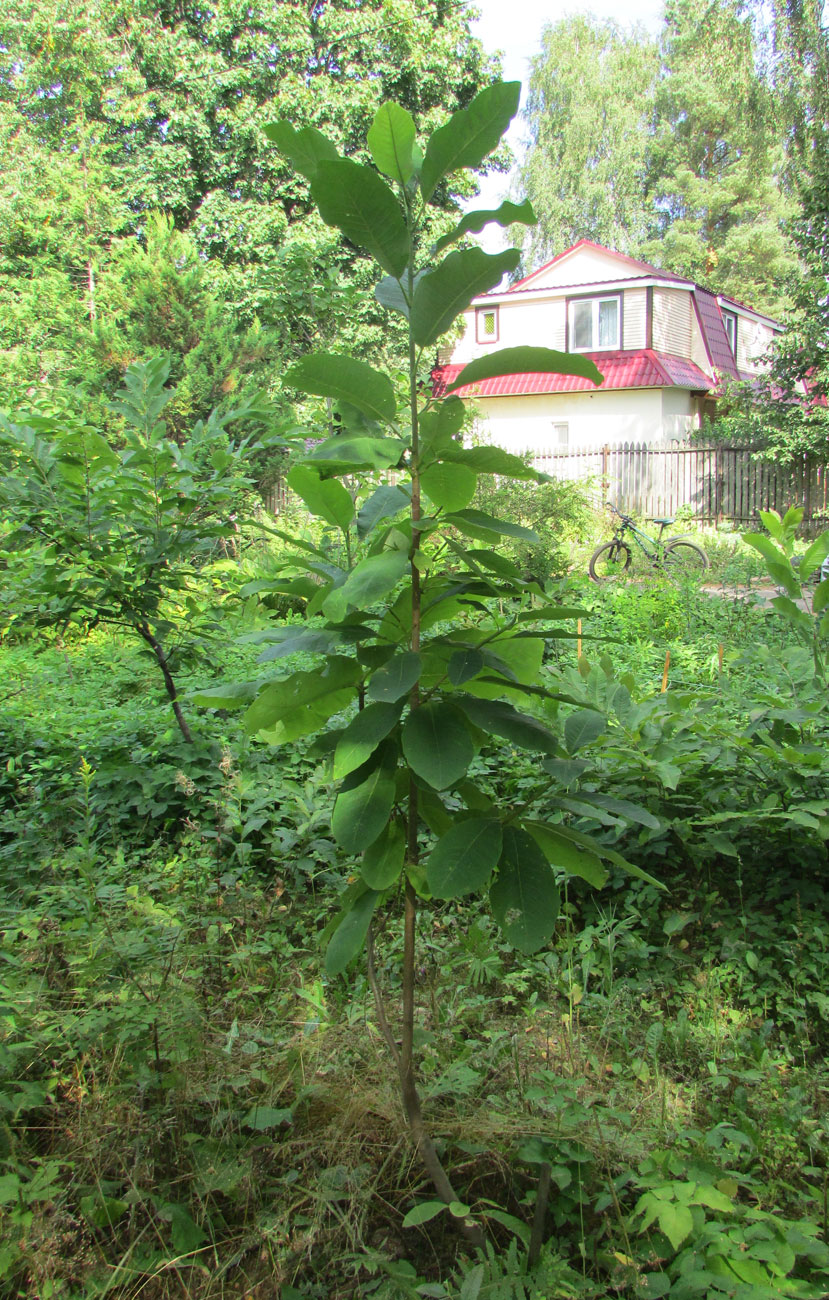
(640, 369)
(713, 332)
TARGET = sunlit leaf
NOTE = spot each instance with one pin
(450, 287)
(325, 498)
(525, 361)
(470, 134)
(391, 138)
(305, 148)
(327, 374)
(508, 214)
(361, 205)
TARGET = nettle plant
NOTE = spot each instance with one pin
(437, 637)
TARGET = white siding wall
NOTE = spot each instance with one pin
(526, 322)
(585, 266)
(634, 318)
(672, 321)
(525, 423)
(753, 338)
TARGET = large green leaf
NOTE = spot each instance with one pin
(464, 664)
(305, 149)
(362, 206)
(396, 678)
(498, 718)
(439, 427)
(394, 295)
(364, 803)
(508, 214)
(582, 728)
(814, 556)
(383, 860)
(526, 361)
(362, 736)
(225, 697)
(449, 487)
(437, 744)
(300, 703)
(284, 641)
(383, 503)
(391, 139)
(325, 498)
(524, 896)
(327, 374)
(350, 935)
(445, 292)
(484, 527)
(561, 852)
(491, 460)
(345, 454)
(464, 858)
(369, 581)
(470, 134)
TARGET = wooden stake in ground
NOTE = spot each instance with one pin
(665, 671)
(578, 642)
(719, 658)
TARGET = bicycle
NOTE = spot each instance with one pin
(676, 557)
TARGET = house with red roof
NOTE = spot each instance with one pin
(663, 343)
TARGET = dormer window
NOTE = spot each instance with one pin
(486, 325)
(595, 324)
(729, 320)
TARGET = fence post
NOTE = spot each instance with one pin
(605, 479)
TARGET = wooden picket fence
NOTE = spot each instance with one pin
(659, 479)
(717, 483)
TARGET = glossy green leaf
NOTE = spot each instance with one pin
(470, 134)
(484, 527)
(345, 454)
(492, 460)
(362, 736)
(623, 808)
(814, 556)
(464, 858)
(396, 678)
(440, 427)
(524, 896)
(393, 294)
(325, 498)
(384, 503)
(350, 935)
(305, 148)
(391, 139)
(526, 361)
(582, 728)
(225, 697)
(327, 374)
(364, 803)
(508, 214)
(324, 692)
(437, 744)
(498, 718)
(449, 487)
(821, 597)
(362, 206)
(284, 641)
(450, 287)
(423, 1212)
(464, 664)
(561, 852)
(383, 860)
(369, 581)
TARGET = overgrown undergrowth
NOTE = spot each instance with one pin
(192, 1108)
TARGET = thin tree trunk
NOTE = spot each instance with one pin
(161, 658)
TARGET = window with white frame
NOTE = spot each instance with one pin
(729, 320)
(561, 433)
(595, 324)
(486, 325)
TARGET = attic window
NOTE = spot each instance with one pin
(595, 324)
(486, 325)
(729, 320)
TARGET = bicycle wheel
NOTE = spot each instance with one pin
(685, 559)
(608, 562)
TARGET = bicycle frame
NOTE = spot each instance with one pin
(652, 547)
